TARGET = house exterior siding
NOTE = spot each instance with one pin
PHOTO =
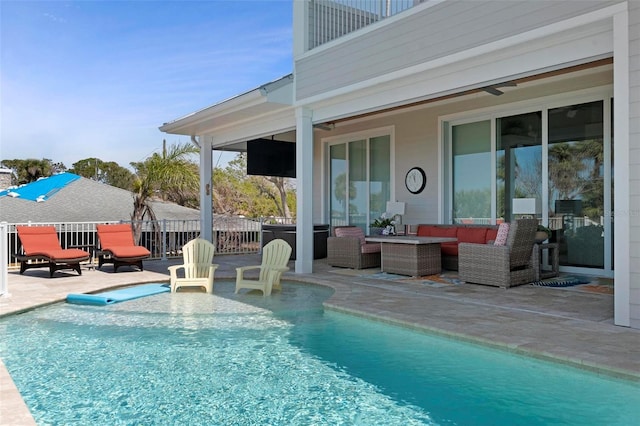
(417, 140)
(634, 145)
(425, 34)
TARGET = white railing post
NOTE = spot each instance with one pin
(4, 260)
(260, 236)
(164, 240)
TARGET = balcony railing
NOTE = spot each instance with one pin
(332, 19)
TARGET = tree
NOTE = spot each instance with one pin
(31, 169)
(109, 173)
(185, 195)
(275, 189)
(340, 191)
(236, 193)
(159, 174)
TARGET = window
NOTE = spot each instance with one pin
(360, 180)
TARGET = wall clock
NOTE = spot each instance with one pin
(415, 180)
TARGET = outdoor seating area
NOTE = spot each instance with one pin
(504, 256)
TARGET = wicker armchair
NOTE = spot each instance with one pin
(348, 249)
(501, 266)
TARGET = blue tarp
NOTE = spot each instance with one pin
(42, 189)
(115, 296)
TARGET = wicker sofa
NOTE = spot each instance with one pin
(505, 265)
(465, 233)
(347, 248)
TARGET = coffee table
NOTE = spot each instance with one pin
(410, 255)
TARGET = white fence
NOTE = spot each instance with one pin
(163, 238)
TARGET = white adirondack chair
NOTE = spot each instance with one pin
(275, 256)
(198, 267)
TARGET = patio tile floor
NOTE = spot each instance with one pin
(566, 326)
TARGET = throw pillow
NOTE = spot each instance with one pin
(503, 233)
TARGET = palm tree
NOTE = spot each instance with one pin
(158, 174)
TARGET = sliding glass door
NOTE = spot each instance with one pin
(360, 180)
(576, 183)
(519, 166)
(552, 163)
(471, 172)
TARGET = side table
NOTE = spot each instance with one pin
(554, 260)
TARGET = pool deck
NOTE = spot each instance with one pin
(570, 327)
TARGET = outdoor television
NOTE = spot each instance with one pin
(267, 157)
(573, 207)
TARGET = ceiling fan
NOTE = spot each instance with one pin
(493, 89)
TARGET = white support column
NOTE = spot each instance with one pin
(304, 190)
(300, 27)
(4, 259)
(621, 158)
(206, 188)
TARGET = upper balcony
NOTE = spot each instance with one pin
(332, 19)
(353, 48)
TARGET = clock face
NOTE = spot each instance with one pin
(415, 180)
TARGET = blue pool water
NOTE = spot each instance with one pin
(230, 359)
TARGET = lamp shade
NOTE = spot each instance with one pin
(525, 206)
(395, 207)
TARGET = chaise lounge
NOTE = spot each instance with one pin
(117, 247)
(42, 249)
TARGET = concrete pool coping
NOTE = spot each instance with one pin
(570, 327)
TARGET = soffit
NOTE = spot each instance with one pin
(268, 99)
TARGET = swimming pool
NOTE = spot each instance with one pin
(195, 359)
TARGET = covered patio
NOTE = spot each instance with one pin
(486, 121)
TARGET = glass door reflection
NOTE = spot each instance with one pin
(576, 183)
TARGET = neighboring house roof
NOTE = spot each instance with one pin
(41, 189)
(73, 198)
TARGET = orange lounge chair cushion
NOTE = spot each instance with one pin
(128, 252)
(42, 241)
(119, 235)
(118, 241)
(62, 256)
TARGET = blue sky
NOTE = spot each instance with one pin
(84, 79)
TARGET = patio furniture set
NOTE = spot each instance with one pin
(502, 256)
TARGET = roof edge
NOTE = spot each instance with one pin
(244, 100)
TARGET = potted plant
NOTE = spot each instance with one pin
(380, 224)
(542, 233)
